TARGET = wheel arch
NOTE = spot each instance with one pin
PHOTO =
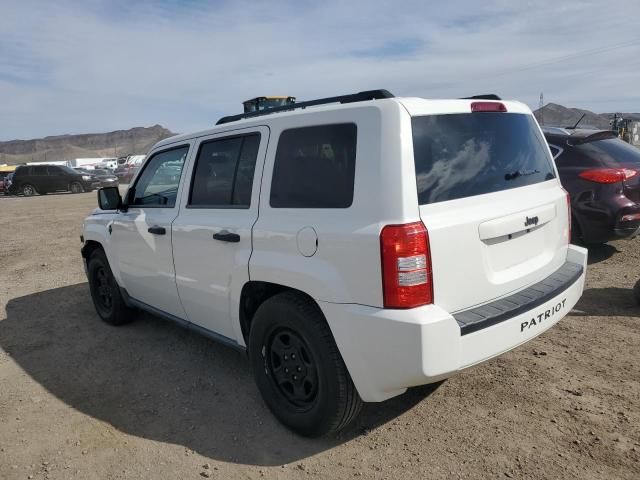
(254, 293)
(95, 236)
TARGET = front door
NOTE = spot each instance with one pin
(142, 235)
(212, 235)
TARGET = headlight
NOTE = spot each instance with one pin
(86, 177)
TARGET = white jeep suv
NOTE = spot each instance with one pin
(355, 246)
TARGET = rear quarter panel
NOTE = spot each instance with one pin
(346, 266)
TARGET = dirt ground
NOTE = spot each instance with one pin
(80, 399)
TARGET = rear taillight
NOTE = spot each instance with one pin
(488, 107)
(631, 217)
(608, 175)
(406, 266)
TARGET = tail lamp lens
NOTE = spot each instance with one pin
(608, 175)
(406, 266)
(630, 217)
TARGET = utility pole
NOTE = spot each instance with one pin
(540, 111)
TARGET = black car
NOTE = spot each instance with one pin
(105, 177)
(602, 175)
(31, 179)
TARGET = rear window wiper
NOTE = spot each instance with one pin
(519, 173)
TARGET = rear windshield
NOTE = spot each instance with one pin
(612, 152)
(463, 155)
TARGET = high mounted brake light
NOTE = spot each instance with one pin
(488, 107)
(608, 175)
(406, 266)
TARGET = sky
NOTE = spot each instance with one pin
(93, 66)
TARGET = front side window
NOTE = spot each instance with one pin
(223, 174)
(315, 167)
(158, 182)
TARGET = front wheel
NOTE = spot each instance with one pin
(298, 367)
(105, 291)
(76, 187)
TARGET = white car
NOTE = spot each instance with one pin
(355, 246)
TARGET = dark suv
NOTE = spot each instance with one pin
(602, 175)
(31, 179)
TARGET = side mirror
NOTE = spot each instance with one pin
(109, 198)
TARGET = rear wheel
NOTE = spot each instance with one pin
(636, 291)
(28, 190)
(298, 368)
(105, 291)
(76, 187)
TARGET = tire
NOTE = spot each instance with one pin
(76, 187)
(636, 292)
(105, 291)
(28, 190)
(290, 338)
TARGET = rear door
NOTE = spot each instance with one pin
(212, 235)
(491, 202)
(142, 235)
(39, 178)
(57, 179)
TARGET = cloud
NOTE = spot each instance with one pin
(70, 67)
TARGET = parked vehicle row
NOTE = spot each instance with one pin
(126, 171)
(106, 178)
(29, 180)
(354, 246)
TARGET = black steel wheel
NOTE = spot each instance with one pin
(298, 367)
(292, 367)
(105, 291)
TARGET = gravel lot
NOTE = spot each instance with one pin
(80, 399)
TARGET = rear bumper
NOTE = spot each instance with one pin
(387, 351)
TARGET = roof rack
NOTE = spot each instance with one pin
(351, 98)
(486, 96)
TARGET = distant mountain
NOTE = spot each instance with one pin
(559, 115)
(556, 115)
(136, 140)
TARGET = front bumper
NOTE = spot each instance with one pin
(387, 351)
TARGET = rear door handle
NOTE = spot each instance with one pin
(226, 236)
(156, 230)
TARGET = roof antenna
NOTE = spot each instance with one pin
(574, 127)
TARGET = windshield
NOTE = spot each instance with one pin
(69, 170)
(463, 155)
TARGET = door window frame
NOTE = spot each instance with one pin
(195, 168)
(256, 188)
(144, 166)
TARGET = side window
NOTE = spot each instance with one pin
(53, 170)
(223, 173)
(39, 170)
(315, 167)
(158, 182)
(555, 151)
